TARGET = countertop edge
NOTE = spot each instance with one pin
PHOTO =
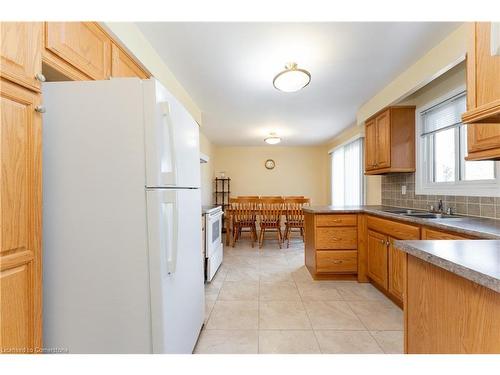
(475, 276)
(419, 221)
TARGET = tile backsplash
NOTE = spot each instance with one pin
(465, 205)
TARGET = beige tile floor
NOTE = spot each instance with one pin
(264, 301)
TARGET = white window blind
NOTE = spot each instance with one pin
(347, 174)
(443, 115)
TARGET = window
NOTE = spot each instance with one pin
(442, 148)
(347, 174)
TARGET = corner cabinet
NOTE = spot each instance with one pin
(390, 141)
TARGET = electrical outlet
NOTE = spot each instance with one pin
(403, 189)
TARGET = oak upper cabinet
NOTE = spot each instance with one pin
(370, 146)
(21, 52)
(123, 66)
(483, 141)
(483, 95)
(390, 141)
(377, 258)
(80, 50)
(483, 77)
(20, 221)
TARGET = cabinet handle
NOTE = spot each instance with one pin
(40, 109)
(335, 239)
(337, 262)
(387, 243)
(382, 241)
(40, 77)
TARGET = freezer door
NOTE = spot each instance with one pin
(176, 268)
(172, 140)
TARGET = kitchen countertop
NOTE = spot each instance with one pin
(467, 225)
(475, 260)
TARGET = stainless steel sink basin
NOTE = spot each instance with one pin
(430, 215)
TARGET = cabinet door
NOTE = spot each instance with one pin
(20, 219)
(370, 145)
(483, 137)
(383, 146)
(377, 257)
(81, 44)
(123, 66)
(20, 52)
(397, 270)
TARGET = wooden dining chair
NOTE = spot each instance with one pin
(294, 216)
(243, 214)
(270, 218)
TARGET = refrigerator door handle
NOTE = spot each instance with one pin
(170, 234)
(169, 127)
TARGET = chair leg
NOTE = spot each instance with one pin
(279, 237)
(235, 235)
(302, 234)
(252, 233)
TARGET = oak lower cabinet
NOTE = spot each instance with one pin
(21, 52)
(434, 234)
(397, 271)
(331, 245)
(390, 141)
(378, 258)
(20, 220)
(386, 264)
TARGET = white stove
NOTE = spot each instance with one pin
(213, 250)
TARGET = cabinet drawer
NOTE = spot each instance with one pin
(431, 234)
(336, 238)
(336, 220)
(393, 228)
(337, 261)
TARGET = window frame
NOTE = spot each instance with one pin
(361, 138)
(423, 182)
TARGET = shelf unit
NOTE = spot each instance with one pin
(222, 192)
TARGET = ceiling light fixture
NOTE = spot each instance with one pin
(272, 139)
(292, 78)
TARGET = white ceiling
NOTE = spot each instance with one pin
(228, 69)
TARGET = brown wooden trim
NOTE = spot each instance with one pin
(488, 113)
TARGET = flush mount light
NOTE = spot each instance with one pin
(292, 78)
(272, 139)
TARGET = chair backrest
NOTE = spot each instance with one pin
(248, 196)
(294, 206)
(271, 197)
(271, 209)
(243, 209)
(293, 196)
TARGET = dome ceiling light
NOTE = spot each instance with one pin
(292, 78)
(272, 139)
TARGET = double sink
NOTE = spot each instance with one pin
(419, 214)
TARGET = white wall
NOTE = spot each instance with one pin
(207, 171)
(298, 171)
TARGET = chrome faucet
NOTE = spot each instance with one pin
(440, 206)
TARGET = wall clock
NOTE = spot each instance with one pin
(270, 164)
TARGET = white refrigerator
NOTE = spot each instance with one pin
(122, 267)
